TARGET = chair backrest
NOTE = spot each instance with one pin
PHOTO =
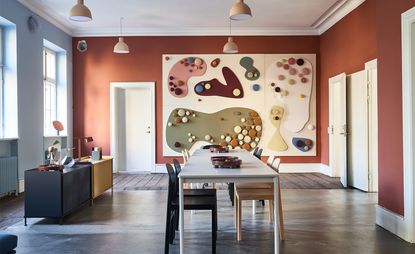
(276, 165)
(258, 153)
(173, 185)
(270, 160)
(177, 166)
(184, 157)
(187, 153)
(255, 151)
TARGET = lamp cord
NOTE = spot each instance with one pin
(121, 26)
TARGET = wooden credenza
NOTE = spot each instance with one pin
(101, 175)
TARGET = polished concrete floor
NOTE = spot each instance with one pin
(317, 221)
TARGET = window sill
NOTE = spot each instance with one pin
(8, 139)
(62, 136)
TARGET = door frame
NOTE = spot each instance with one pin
(373, 126)
(114, 86)
(334, 79)
(408, 114)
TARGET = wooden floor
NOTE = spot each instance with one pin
(11, 208)
(130, 182)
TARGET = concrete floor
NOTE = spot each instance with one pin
(317, 221)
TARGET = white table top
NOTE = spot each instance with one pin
(199, 166)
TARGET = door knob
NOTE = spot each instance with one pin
(147, 131)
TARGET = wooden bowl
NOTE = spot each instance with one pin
(219, 149)
(50, 167)
(226, 162)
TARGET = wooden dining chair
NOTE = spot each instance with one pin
(258, 191)
(190, 203)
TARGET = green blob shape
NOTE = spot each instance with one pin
(216, 124)
(251, 72)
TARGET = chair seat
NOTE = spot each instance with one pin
(199, 192)
(255, 194)
(198, 202)
(254, 185)
(7, 243)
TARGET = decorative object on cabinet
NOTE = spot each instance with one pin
(84, 139)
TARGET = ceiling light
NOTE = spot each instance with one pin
(230, 47)
(240, 11)
(80, 12)
(121, 47)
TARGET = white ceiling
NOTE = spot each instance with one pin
(195, 17)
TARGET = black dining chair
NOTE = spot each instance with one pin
(190, 203)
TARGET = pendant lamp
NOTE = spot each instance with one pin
(80, 12)
(121, 47)
(230, 47)
(240, 11)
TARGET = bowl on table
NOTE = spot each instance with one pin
(226, 162)
(219, 149)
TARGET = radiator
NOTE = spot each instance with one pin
(8, 175)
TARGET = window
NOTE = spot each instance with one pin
(49, 91)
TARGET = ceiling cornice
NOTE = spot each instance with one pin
(334, 14)
(193, 31)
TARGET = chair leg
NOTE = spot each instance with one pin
(167, 236)
(263, 202)
(236, 211)
(176, 225)
(172, 230)
(239, 225)
(214, 229)
(280, 214)
(231, 188)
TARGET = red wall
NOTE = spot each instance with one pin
(370, 31)
(96, 68)
(345, 47)
(390, 102)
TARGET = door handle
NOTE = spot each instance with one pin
(147, 131)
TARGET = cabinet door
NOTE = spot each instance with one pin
(102, 177)
(43, 194)
(76, 188)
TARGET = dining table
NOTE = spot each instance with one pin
(199, 169)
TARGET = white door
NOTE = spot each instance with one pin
(338, 127)
(358, 129)
(138, 130)
(132, 118)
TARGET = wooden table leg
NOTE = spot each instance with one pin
(276, 218)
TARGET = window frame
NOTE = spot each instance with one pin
(1, 83)
(48, 129)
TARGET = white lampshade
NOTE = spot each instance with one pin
(240, 11)
(80, 12)
(230, 47)
(121, 47)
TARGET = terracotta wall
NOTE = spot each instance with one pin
(390, 102)
(96, 68)
(345, 47)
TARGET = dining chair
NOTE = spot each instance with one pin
(190, 203)
(231, 186)
(259, 191)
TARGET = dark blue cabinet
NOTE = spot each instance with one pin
(55, 194)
